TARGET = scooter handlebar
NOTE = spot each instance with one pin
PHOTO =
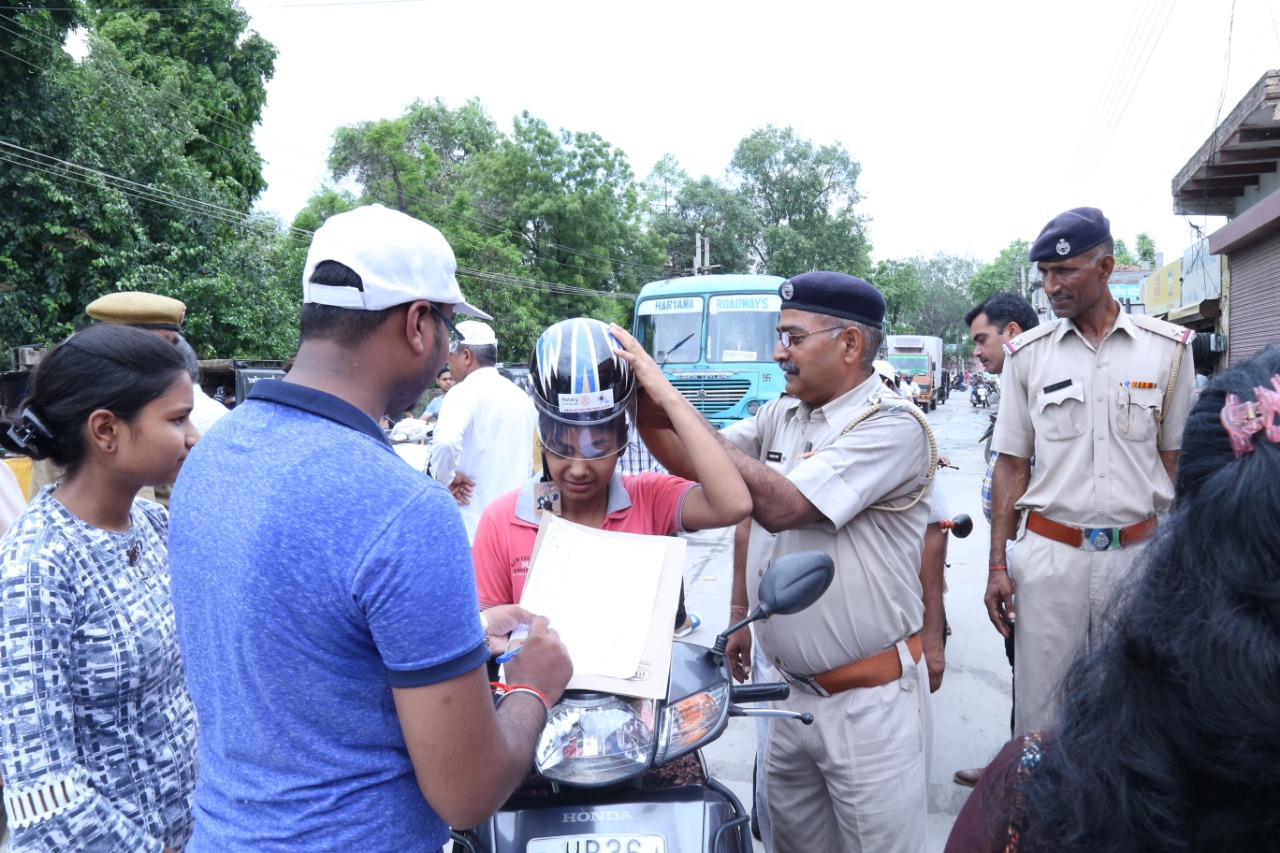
(767, 692)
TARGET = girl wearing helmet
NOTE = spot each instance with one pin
(586, 376)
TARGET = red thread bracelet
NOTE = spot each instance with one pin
(505, 690)
(998, 568)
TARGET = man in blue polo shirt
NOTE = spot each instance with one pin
(324, 590)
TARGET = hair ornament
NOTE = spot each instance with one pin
(30, 433)
(1243, 420)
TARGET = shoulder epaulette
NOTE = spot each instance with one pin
(1181, 334)
(1030, 335)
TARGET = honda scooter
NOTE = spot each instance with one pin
(617, 774)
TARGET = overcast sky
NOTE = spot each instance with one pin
(974, 123)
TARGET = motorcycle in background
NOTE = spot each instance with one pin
(980, 396)
(617, 774)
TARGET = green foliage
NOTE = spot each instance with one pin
(804, 198)
(703, 207)
(129, 207)
(1146, 250)
(1123, 255)
(903, 291)
(1006, 272)
(215, 74)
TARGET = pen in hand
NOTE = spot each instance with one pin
(521, 631)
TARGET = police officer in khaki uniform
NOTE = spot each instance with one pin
(1099, 397)
(856, 779)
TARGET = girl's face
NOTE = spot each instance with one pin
(153, 447)
(581, 461)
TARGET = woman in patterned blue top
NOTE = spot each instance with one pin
(97, 732)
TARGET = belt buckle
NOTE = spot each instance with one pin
(807, 683)
(1100, 539)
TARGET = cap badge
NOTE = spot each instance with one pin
(788, 290)
(1063, 247)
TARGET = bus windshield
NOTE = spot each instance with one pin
(742, 326)
(671, 328)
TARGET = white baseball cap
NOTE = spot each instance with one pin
(884, 368)
(400, 259)
(476, 334)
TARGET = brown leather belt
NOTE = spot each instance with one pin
(880, 668)
(1091, 538)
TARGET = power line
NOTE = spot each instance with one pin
(67, 170)
(231, 123)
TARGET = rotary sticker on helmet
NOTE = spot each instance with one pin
(592, 401)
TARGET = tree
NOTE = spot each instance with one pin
(903, 291)
(804, 197)
(211, 68)
(567, 202)
(707, 208)
(1122, 254)
(1146, 250)
(945, 279)
(1006, 272)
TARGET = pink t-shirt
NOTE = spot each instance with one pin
(644, 503)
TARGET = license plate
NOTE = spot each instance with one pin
(598, 844)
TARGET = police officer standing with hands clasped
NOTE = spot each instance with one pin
(1099, 398)
(823, 479)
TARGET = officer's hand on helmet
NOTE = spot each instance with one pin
(647, 371)
(543, 661)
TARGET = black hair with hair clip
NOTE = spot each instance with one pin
(32, 435)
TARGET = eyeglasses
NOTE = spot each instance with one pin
(787, 339)
(455, 337)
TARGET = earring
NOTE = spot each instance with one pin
(110, 446)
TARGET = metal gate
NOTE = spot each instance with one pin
(1253, 298)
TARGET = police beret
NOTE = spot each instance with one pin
(836, 294)
(131, 308)
(1068, 234)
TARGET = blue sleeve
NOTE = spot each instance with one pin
(417, 591)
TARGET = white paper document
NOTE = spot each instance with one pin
(612, 597)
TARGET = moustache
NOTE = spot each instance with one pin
(788, 367)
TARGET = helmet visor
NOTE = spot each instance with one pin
(583, 441)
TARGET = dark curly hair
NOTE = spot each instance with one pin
(1166, 739)
(105, 366)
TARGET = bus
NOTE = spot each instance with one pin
(714, 336)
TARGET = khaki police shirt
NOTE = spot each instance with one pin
(875, 599)
(1090, 421)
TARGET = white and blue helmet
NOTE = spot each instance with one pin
(577, 377)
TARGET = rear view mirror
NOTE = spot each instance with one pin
(795, 581)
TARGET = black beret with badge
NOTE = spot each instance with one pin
(836, 294)
(1068, 234)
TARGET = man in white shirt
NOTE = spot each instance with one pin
(483, 445)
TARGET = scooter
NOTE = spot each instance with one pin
(980, 396)
(615, 774)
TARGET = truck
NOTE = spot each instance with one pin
(920, 358)
(713, 336)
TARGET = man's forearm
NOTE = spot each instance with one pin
(933, 563)
(1008, 484)
(776, 503)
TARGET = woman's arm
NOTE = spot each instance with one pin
(723, 499)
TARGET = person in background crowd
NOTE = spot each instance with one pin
(993, 323)
(98, 743)
(1098, 397)
(484, 435)
(857, 778)
(1164, 742)
(583, 359)
(335, 649)
(444, 381)
(205, 411)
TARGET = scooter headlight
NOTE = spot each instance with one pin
(596, 739)
(692, 720)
